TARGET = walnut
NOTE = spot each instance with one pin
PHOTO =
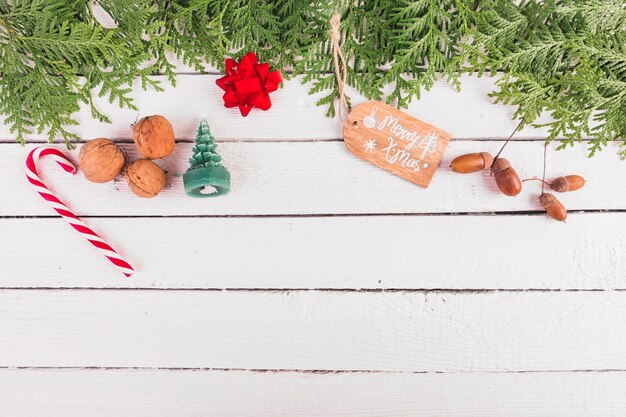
(145, 178)
(154, 137)
(101, 160)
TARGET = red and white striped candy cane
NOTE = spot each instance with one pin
(63, 210)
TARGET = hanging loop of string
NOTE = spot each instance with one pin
(341, 68)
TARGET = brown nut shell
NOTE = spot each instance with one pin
(154, 137)
(101, 160)
(567, 183)
(471, 162)
(145, 178)
(553, 207)
(506, 177)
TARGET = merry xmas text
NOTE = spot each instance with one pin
(398, 155)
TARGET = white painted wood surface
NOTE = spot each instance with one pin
(294, 115)
(315, 330)
(374, 252)
(161, 393)
(309, 289)
(322, 178)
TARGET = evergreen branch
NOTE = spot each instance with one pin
(566, 58)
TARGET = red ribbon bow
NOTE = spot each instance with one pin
(247, 84)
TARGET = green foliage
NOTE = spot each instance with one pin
(45, 45)
(566, 58)
(193, 32)
(426, 36)
(563, 57)
(205, 149)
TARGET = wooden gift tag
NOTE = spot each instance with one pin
(395, 141)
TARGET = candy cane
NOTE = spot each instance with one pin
(63, 210)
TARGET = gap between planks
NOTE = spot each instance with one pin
(298, 371)
(10, 141)
(297, 216)
(322, 290)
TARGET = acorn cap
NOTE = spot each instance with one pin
(554, 208)
(547, 200)
(560, 185)
(488, 158)
(196, 180)
(500, 164)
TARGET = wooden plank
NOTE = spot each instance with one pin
(136, 393)
(416, 332)
(463, 252)
(294, 114)
(319, 178)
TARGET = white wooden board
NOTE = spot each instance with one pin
(152, 393)
(414, 331)
(320, 178)
(464, 252)
(294, 115)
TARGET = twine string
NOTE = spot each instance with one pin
(543, 179)
(341, 71)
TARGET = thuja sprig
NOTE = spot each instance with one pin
(562, 57)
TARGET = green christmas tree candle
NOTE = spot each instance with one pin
(206, 177)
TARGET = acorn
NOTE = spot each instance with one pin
(471, 162)
(567, 183)
(145, 178)
(506, 178)
(154, 137)
(101, 160)
(553, 207)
